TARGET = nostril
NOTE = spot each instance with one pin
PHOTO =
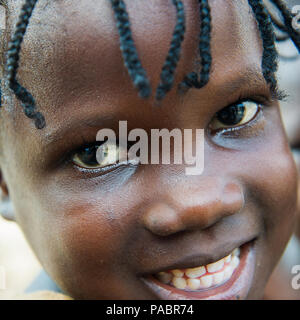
(161, 220)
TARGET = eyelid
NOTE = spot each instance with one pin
(263, 97)
(260, 100)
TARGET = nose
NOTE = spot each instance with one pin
(186, 209)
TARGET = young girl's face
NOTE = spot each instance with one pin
(107, 234)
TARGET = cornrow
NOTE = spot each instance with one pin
(269, 59)
(130, 56)
(168, 70)
(191, 80)
(281, 35)
(14, 48)
(287, 17)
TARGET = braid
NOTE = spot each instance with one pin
(287, 17)
(130, 55)
(191, 80)
(14, 48)
(168, 70)
(281, 27)
(269, 59)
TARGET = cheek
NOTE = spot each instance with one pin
(87, 237)
(272, 186)
(275, 186)
(275, 191)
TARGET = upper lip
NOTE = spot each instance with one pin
(201, 259)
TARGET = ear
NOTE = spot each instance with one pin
(6, 206)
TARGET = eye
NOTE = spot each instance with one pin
(97, 156)
(235, 115)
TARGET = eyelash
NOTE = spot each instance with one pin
(95, 171)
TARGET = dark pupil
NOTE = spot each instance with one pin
(88, 155)
(231, 115)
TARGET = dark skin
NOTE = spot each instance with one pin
(291, 115)
(83, 225)
(279, 284)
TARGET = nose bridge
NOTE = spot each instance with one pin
(186, 207)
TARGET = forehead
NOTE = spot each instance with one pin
(71, 54)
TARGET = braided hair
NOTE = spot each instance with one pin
(269, 58)
(191, 80)
(265, 22)
(14, 48)
(168, 70)
(288, 28)
(130, 55)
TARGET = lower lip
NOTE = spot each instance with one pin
(237, 287)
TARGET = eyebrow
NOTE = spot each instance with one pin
(91, 122)
(250, 78)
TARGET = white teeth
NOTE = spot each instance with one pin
(195, 272)
(164, 277)
(228, 273)
(194, 284)
(179, 283)
(216, 266)
(218, 277)
(203, 277)
(236, 252)
(228, 258)
(177, 273)
(206, 281)
(234, 262)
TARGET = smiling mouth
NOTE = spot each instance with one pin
(227, 278)
(202, 277)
